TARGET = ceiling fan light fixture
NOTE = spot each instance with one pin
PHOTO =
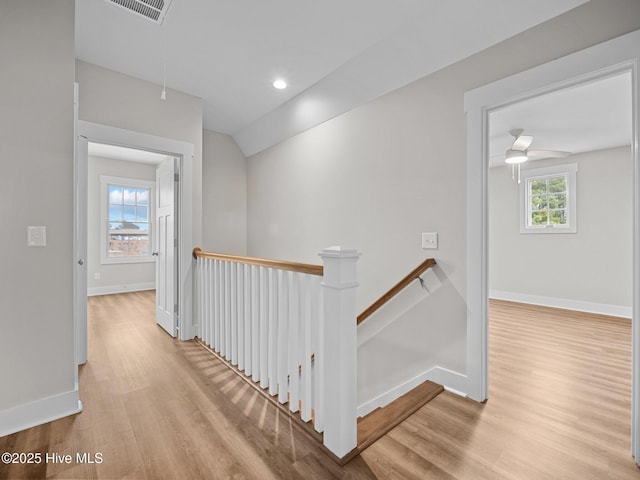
(514, 157)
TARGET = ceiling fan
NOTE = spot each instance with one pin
(520, 153)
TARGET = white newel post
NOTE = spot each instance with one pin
(338, 347)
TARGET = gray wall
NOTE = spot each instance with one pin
(117, 100)
(36, 188)
(592, 266)
(224, 195)
(376, 177)
(122, 276)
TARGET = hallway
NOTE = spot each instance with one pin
(157, 408)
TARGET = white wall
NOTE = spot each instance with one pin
(590, 269)
(113, 277)
(117, 100)
(376, 177)
(224, 195)
(36, 188)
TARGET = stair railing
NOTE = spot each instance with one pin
(397, 288)
(291, 328)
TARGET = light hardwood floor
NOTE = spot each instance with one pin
(156, 408)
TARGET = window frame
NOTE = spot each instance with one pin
(105, 182)
(570, 170)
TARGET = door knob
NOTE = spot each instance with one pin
(81, 262)
(155, 254)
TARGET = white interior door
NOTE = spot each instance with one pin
(166, 246)
(80, 249)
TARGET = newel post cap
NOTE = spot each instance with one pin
(338, 251)
(340, 267)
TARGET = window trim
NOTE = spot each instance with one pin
(105, 181)
(570, 170)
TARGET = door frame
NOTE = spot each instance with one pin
(184, 151)
(613, 57)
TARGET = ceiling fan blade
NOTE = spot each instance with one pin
(547, 154)
(522, 142)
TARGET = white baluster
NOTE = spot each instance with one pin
(233, 312)
(272, 354)
(305, 353)
(255, 323)
(247, 320)
(216, 344)
(264, 330)
(208, 298)
(222, 319)
(240, 315)
(198, 289)
(294, 341)
(317, 307)
(204, 298)
(226, 312)
(283, 336)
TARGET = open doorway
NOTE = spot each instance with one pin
(131, 225)
(601, 61)
(562, 242)
(572, 202)
(177, 224)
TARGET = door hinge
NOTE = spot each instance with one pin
(175, 308)
(175, 242)
(176, 177)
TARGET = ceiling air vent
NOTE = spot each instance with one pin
(154, 10)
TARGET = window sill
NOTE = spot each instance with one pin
(548, 230)
(125, 260)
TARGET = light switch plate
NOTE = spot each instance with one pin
(36, 236)
(429, 240)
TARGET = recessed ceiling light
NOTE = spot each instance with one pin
(280, 84)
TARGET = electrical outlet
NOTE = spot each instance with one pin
(430, 240)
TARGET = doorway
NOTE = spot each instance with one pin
(542, 243)
(607, 59)
(130, 245)
(181, 285)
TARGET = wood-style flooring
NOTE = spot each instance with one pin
(156, 408)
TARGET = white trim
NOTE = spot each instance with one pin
(129, 287)
(436, 374)
(613, 57)
(41, 411)
(456, 392)
(564, 303)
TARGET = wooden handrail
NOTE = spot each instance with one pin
(415, 273)
(262, 262)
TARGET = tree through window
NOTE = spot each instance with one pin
(548, 200)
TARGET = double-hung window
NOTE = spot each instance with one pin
(548, 200)
(126, 220)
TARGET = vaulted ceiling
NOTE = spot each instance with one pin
(334, 54)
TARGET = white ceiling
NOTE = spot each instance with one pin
(584, 118)
(334, 54)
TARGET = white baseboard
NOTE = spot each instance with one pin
(111, 289)
(41, 411)
(435, 374)
(578, 305)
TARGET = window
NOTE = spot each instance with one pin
(548, 200)
(126, 220)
